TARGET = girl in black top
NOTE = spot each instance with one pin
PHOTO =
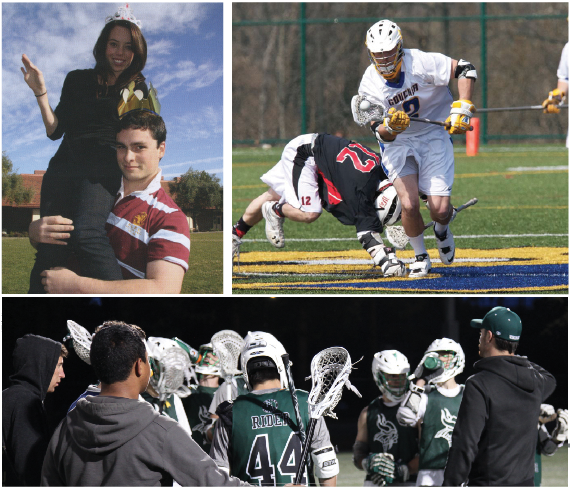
(83, 177)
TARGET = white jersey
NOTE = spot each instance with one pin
(562, 72)
(421, 92)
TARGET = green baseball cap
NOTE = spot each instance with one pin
(503, 322)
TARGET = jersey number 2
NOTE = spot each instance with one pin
(260, 467)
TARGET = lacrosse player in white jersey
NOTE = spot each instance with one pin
(558, 95)
(432, 405)
(418, 157)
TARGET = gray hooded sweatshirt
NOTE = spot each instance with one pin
(111, 441)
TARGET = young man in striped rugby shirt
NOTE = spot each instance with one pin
(147, 230)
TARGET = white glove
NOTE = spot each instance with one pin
(407, 414)
(560, 433)
(385, 258)
(547, 413)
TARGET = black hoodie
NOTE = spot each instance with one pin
(25, 427)
(494, 438)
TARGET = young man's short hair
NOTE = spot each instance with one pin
(144, 120)
(506, 345)
(64, 351)
(260, 375)
(140, 332)
(114, 350)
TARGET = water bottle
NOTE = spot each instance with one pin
(431, 363)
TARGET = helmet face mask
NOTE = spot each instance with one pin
(390, 369)
(451, 354)
(386, 49)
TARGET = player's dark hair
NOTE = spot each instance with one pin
(114, 350)
(64, 352)
(144, 120)
(261, 369)
(138, 45)
(506, 345)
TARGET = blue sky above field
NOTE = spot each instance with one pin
(184, 64)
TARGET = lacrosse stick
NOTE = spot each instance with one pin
(398, 238)
(80, 340)
(193, 354)
(521, 108)
(365, 112)
(330, 369)
(227, 345)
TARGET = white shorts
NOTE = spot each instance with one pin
(297, 184)
(429, 155)
(430, 478)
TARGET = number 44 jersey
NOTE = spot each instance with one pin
(260, 443)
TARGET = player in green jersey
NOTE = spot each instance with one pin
(383, 448)
(432, 404)
(256, 437)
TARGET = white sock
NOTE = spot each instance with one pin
(439, 228)
(417, 242)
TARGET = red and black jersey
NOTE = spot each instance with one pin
(349, 174)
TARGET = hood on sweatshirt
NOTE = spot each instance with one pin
(35, 359)
(100, 424)
(515, 369)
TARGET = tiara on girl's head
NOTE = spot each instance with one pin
(124, 13)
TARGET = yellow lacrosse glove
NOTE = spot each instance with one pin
(550, 105)
(460, 116)
(396, 121)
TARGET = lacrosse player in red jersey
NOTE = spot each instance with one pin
(418, 156)
(433, 407)
(345, 178)
(387, 451)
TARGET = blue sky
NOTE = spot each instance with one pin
(184, 64)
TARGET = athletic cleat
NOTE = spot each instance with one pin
(421, 266)
(273, 225)
(236, 243)
(446, 247)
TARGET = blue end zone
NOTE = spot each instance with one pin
(471, 279)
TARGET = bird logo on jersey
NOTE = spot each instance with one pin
(387, 435)
(204, 415)
(448, 421)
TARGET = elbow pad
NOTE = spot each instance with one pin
(325, 462)
(465, 70)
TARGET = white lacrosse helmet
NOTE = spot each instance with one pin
(202, 367)
(456, 365)
(387, 204)
(170, 367)
(385, 48)
(263, 344)
(394, 364)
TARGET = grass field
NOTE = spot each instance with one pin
(523, 205)
(204, 275)
(554, 470)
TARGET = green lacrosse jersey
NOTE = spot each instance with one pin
(386, 435)
(265, 445)
(168, 407)
(437, 429)
(197, 408)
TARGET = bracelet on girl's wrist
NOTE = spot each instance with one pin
(41, 94)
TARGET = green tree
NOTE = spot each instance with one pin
(13, 189)
(196, 191)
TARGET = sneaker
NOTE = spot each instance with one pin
(273, 225)
(446, 247)
(236, 243)
(421, 266)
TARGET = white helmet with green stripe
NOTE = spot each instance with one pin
(390, 369)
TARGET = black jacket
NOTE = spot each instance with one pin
(25, 428)
(494, 439)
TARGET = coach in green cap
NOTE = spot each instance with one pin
(494, 438)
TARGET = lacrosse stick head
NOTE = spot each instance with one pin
(227, 345)
(80, 340)
(390, 369)
(269, 351)
(397, 236)
(365, 111)
(330, 369)
(170, 367)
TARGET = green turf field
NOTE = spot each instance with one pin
(203, 277)
(554, 470)
(522, 193)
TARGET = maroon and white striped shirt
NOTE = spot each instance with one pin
(146, 226)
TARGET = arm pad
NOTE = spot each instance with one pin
(465, 70)
(359, 452)
(326, 463)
